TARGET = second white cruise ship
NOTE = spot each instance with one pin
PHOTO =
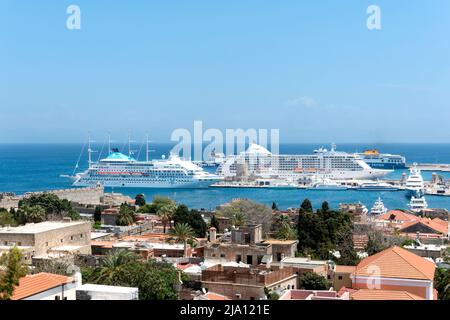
(323, 164)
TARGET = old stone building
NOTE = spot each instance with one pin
(49, 237)
(240, 283)
(246, 245)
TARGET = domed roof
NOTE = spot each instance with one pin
(257, 149)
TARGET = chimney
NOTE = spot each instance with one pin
(212, 234)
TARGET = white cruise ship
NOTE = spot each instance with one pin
(120, 170)
(414, 184)
(323, 164)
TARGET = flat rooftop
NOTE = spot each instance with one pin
(108, 289)
(33, 228)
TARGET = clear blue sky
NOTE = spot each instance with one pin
(310, 68)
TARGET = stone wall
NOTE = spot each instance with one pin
(90, 195)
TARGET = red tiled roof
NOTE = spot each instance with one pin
(37, 283)
(435, 225)
(397, 262)
(345, 269)
(215, 296)
(367, 294)
(398, 215)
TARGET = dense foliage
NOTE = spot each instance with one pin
(313, 281)
(155, 280)
(193, 218)
(324, 231)
(126, 216)
(157, 203)
(11, 270)
(245, 211)
(45, 206)
(442, 283)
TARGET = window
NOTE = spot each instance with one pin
(222, 255)
(249, 259)
(340, 277)
(238, 258)
(278, 256)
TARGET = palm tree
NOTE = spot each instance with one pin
(286, 232)
(112, 264)
(125, 216)
(34, 213)
(238, 219)
(183, 232)
(166, 213)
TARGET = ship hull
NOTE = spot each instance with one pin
(148, 184)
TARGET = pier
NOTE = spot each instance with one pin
(432, 167)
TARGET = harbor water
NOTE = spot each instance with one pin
(37, 167)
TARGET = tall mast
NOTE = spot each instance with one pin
(109, 142)
(89, 150)
(146, 147)
(129, 144)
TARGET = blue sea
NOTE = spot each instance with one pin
(36, 167)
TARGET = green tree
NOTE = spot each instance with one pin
(155, 280)
(54, 207)
(98, 214)
(34, 213)
(140, 200)
(306, 206)
(214, 222)
(12, 263)
(166, 212)
(7, 218)
(442, 283)
(238, 219)
(126, 215)
(183, 232)
(193, 218)
(313, 281)
(286, 232)
(254, 213)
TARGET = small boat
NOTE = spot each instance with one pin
(418, 204)
(378, 208)
(414, 184)
(327, 184)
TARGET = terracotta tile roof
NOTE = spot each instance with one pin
(344, 290)
(397, 262)
(345, 269)
(104, 243)
(435, 225)
(441, 222)
(367, 294)
(398, 215)
(215, 296)
(37, 283)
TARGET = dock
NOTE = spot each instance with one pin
(432, 167)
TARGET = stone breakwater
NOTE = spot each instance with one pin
(85, 196)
